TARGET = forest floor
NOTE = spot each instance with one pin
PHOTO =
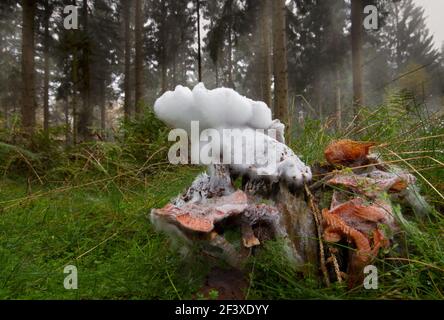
(100, 224)
(103, 230)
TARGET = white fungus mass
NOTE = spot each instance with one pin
(224, 108)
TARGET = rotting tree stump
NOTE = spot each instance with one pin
(260, 211)
(359, 215)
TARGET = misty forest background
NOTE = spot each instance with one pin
(83, 158)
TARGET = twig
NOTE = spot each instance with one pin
(418, 262)
(417, 172)
(86, 252)
(373, 164)
(317, 216)
(334, 260)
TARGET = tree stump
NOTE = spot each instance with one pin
(360, 215)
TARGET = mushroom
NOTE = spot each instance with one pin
(345, 152)
(359, 224)
(374, 183)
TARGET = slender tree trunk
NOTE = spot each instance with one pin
(75, 80)
(67, 125)
(46, 70)
(230, 58)
(163, 79)
(266, 51)
(102, 102)
(163, 51)
(338, 101)
(174, 71)
(85, 116)
(126, 4)
(216, 63)
(217, 74)
(139, 58)
(5, 114)
(318, 90)
(230, 82)
(356, 38)
(280, 62)
(28, 67)
(199, 54)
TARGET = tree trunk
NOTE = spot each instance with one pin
(230, 82)
(163, 51)
(85, 116)
(280, 62)
(163, 79)
(266, 52)
(338, 101)
(217, 74)
(199, 55)
(139, 58)
(67, 125)
(75, 80)
(5, 114)
(126, 4)
(102, 102)
(28, 67)
(356, 38)
(319, 95)
(174, 72)
(46, 70)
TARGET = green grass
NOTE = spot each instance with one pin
(89, 208)
(103, 231)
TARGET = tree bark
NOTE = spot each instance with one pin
(163, 79)
(199, 54)
(28, 66)
(85, 115)
(356, 38)
(126, 4)
(338, 101)
(75, 79)
(46, 69)
(163, 50)
(102, 102)
(67, 125)
(139, 58)
(280, 62)
(266, 52)
(230, 81)
(5, 114)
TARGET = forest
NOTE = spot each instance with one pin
(84, 153)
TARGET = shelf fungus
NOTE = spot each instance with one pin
(201, 217)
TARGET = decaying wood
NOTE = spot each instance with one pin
(211, 206)
(359, 213)
(318, 218)
(300, 225)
